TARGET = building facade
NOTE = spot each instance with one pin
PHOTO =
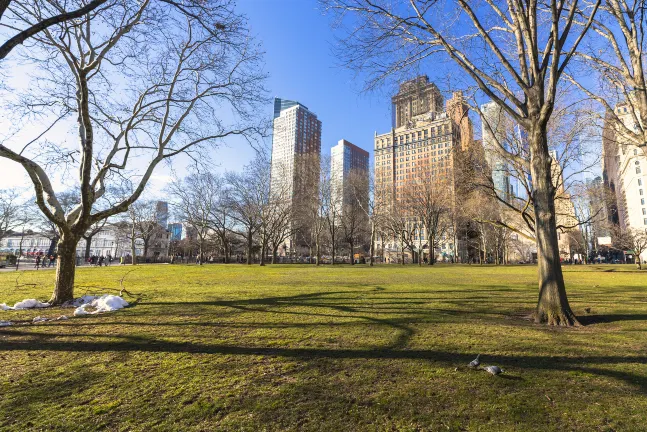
(422, 146)
(349, 174)
(296, 152)
(625, 175)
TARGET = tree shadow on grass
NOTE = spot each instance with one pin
(609, 318)
(520, 363)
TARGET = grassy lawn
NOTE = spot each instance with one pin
(223, 348)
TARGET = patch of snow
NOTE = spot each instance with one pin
(25, 304)
(39, 319)
(5, 323)
(62, 318)
(104, 303)
(80, 311)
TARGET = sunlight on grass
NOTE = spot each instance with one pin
(345, 348)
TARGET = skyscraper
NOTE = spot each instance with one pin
(422, 146)
(349, 171)
(496, 128)
(296, 150)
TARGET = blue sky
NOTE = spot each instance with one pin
(298, 42)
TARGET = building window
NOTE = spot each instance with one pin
(640, 192)
(644, 211)
(637, 170)
(642, 201)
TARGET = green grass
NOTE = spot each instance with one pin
(223, 348)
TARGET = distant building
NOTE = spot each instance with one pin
(349, 171)
(296, 151)
(496, 127)
(426, 139)
(161, 213)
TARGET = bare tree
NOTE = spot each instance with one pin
(247, 194)
(197, 201)
(21, 15)
(617, 59)
(144, 80)
(429, 203)
(636, 241)
(11, 208)
(516, 54)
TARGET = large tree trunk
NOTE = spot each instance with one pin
(65, 267)
(552, 306)
(352, 250)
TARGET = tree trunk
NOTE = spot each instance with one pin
(432, 250)
(332, 235)
(372, 248)
(133, 249)
(552, 306)
(352, 255)
(263, 249)
(318, 249)
(88, 243)
(65, 268)
(637, 260)
(249, 247)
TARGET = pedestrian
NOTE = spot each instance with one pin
(37, 261)
(51, 260)
(121, 260)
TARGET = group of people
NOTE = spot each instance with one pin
(44, 261)
(100, 260)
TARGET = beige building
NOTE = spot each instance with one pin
(624, 174)
(296, 149)
(424, 139)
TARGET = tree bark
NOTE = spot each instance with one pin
(88, 243)
(65, 267)
(372, 249)
(249, 247)
(552, 306)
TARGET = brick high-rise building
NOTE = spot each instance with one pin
(296, 150)
(424, 141)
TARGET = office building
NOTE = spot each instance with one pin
(296, 150)
(349, 174)
(423, 145)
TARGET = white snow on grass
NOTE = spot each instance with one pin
(5, 323)
(25, 304)
(99, 304)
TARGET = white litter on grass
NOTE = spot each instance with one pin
(100, 304)
(25, 304)
(5, 323)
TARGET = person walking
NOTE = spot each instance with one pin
(37, 261)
